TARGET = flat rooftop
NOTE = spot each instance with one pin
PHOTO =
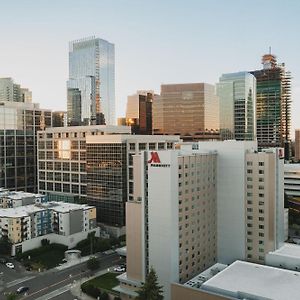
(288, 249)
(245, 280)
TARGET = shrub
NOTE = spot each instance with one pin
(104, 296)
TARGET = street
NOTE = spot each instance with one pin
(56, 283)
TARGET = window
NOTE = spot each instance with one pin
(261, 163)
(249, 163)
(261, 172)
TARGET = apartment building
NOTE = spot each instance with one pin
(62, 160)
(171, 223)
(264, 203)
(64, 223)
(15, 199)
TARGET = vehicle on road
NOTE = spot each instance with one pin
(10, 265)
(22, 289)
(120, 268)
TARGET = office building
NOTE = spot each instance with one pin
(237, 94)
(64, 223)
(297, 145)
(264, 203)
(273, 104)
(171, 223)
(240, 280)
(110, 176)
(12, 92)
(190, 110)
(139, 112)
(59, 119)
(19, 123)
(62, 160)
(91, 84)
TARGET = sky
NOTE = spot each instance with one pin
(156, 41)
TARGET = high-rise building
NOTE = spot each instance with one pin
(62, 160)
(139, 112)
(59, 119)
(171, 224)
(19, 124)
(91, 84)
(190, 110)
(273, 104)
(264, 203)
(237, 94)
(297, 144)
(10, 91)
(110, 176)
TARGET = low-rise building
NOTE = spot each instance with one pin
(15, 199)
(64, 223)
(240, 280)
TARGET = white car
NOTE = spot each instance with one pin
(121, 268)
(10, 265)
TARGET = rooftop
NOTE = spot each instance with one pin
(288, 249)
(245, 280)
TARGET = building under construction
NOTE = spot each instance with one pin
(273, 104)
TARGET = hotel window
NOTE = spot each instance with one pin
(132, 146)
(261, 163)
(261, 172)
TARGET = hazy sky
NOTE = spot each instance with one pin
(156, 41)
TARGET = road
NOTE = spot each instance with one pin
(56, 282)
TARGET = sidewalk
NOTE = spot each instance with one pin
(76, 290)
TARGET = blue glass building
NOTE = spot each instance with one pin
(91, 84)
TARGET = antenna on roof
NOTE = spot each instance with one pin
(270, 49)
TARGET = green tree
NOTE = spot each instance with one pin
(11, 296)
(104, 296)
(150, 289)
(5, 246)
(93, 263)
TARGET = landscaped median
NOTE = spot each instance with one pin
(102, 286)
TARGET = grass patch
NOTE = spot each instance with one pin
(45, 257)
(106, 281)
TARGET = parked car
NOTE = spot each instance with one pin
(120, 268)
(22, 289)
(10, 265)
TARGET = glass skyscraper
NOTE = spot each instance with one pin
(237, 94)
(91, 84)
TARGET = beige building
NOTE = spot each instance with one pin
(190, 110)
(264, 203)
(171, 222)
(297, 144)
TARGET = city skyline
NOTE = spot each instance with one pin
(184, 43)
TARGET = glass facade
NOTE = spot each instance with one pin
(237, 94)
(19, 123)
(91, 81)
(189, 110)
(10, 91)
(107, 181)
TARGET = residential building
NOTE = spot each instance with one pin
(292, 180)
(62, 160)
(297, 145)
(110, 176)
(12, 92)
(91, 84)
(13, 199)
(273, 104)
(19, 123)
(237, 94)
(171, 223)
(240, 280)
(264, 203)
(139, 112)
(65, 223)
(190, 110)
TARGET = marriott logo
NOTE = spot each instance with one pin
(154, 158)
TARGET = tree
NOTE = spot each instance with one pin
(93, 263)
(150, 289)
(104, 296)
(45, 242)
(5, 246)
(11, 296)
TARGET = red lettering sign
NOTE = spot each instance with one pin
(154, 158)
